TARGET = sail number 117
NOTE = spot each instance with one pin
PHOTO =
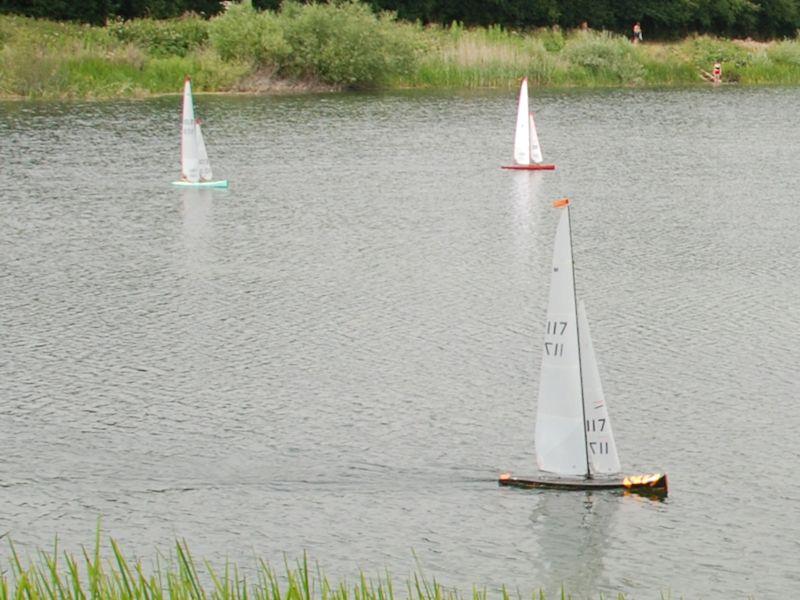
(595, 424)
(555, 328)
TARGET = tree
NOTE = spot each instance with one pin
(88, 11)
(98, 11)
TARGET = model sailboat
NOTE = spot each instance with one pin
(574, 440)
(195, 167)
(527, 151)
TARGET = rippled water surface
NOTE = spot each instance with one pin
(340, 353)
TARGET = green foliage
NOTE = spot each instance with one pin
(342, 44)
(661, 19)
(46, 59)
(244, 34)
(87, 11)
(171, 37)
(705, 51)
(552, 39)
(346, 44)
(725, 16)
(98, 11)
(605, 57)
(786, 52)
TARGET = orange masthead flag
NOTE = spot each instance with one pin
(560, 202)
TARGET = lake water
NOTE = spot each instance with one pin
(340, 353)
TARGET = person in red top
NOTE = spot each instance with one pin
(717, 73)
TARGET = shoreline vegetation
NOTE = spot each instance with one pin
(93, 574)
(346, 46)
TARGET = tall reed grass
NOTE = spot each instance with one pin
(60, 575)
(63, 60)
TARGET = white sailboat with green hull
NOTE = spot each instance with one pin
(195, 166)
(574, 441)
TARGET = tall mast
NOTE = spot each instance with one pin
(578, 336)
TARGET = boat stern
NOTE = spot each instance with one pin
(650, 483)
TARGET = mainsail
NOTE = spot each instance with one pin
(190, 159)
(522, 139)
(560, 438)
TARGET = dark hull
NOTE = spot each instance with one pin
(643, 484)
(531, 167)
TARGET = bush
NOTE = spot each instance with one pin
(604, 56)
(346, 44)
(553, 40)
(786, 52)
(245, 34)
(705, 51)
(171, 37)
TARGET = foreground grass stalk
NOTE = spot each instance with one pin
(61, 576)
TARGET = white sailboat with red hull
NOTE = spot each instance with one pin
(527, 150)
(575, 445)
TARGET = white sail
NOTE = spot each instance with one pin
(202, 156)
(536, 149)
(560, 439)
(522, 140)
(603, 459)
(190, 168)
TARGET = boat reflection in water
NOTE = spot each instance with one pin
(197, 230)
(526, 194)
(572, 557)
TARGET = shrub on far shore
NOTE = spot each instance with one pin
(168, 37)
(604, 57)
(347, 44)
(342, 43)
(248, 35)
(65, 60)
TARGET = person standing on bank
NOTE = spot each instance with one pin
(637, 33)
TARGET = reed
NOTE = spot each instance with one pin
(477, 58)
(106, 574)
(60, 60)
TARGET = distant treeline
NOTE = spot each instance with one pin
(660, 19)
(97, 12)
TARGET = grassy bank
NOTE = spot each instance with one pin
(345, 46)
(63, 576)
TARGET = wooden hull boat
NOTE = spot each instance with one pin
(651, 484)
